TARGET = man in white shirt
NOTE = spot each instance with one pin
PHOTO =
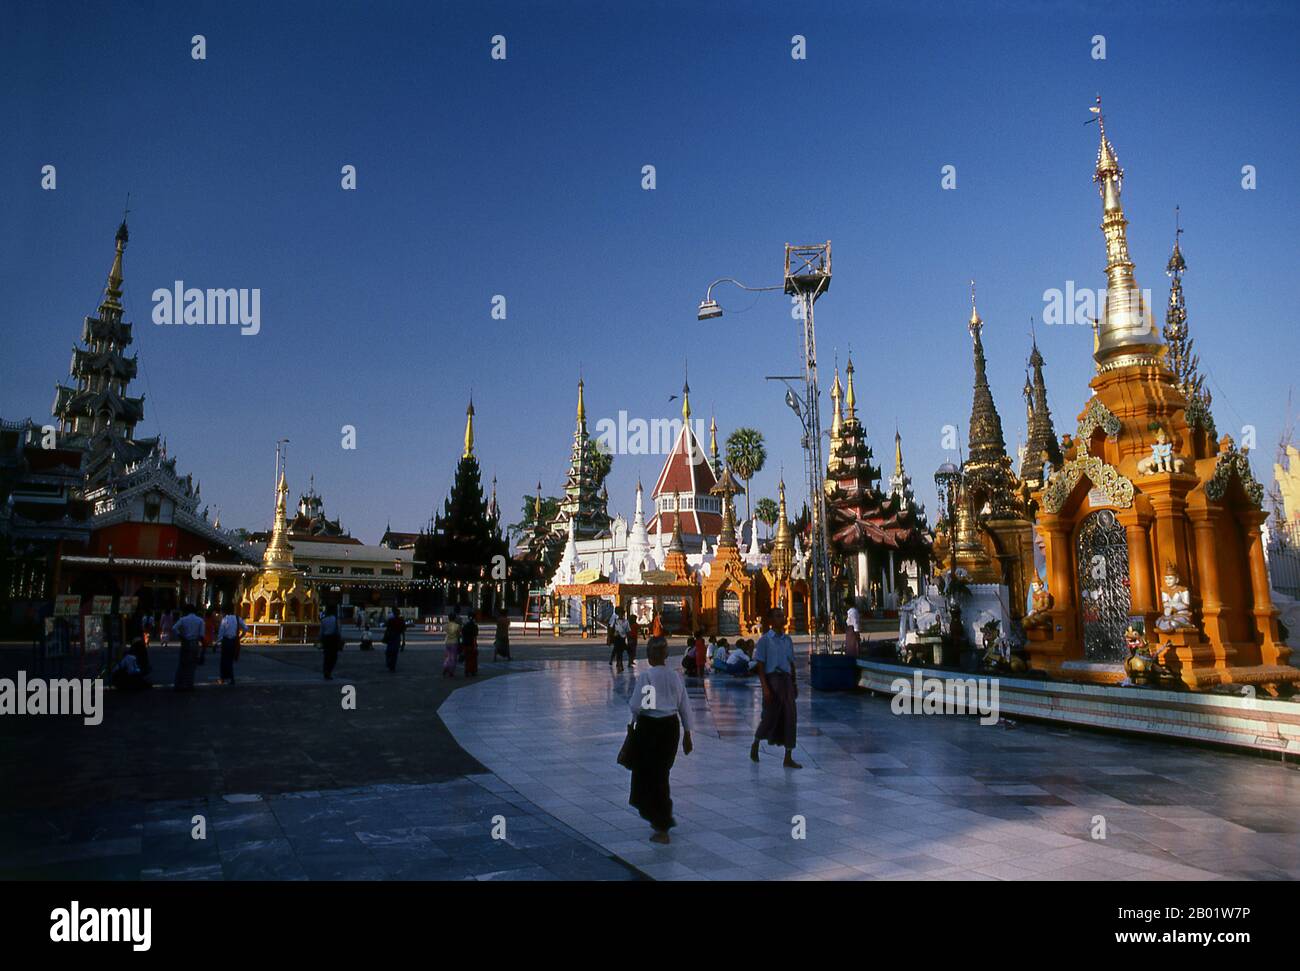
(776, 666)
(619, 628)
(852, 631)
(189, 629)
(660, 710)
(228, 631)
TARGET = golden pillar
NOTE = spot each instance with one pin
(1214, 612)
(1142, 589)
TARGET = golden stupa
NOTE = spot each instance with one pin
(1152, 517)
(280, 602)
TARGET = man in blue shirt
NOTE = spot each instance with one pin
(774, 655)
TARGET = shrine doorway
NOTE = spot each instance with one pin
(728, 614)
(1105, 604)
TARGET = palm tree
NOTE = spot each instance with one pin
(746, 456)
(766, 511)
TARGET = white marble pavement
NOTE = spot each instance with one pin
(883, 795)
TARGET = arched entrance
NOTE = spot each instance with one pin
(1104, 601)
(728, 614)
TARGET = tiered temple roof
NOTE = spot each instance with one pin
(583, 502)
(683, 493)
(1041, 442)
(97, 413)
(859, 514)
(987, 477)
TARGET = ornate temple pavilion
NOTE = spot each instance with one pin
(1152, 517)
(880, 541)
(145, 527)
(989, 533)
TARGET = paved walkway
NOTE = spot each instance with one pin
(883, 796)
(436, 831)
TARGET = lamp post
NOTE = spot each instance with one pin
(947, 478)
(807, 277)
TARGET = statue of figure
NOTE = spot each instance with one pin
(997, 652)
(1040, 603)
(1145, 663)
(1162, 458)
(1177, 603)
(1047, 466)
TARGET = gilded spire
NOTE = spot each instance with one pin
(1126, 324)
(727, 488)
(900, 484)
(783, 541)
(582, 408)
(469, 430)
(686, 400)
(1181, 360)
(713, 442)
(837, 394)
(113, 292)
(278, 553)
(850, 398)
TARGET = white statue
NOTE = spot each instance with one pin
(1177, 603)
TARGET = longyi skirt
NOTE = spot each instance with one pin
(655, 741)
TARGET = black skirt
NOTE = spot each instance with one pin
(655, 741)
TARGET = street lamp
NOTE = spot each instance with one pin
(807, 277)
(709, 309)
(946, 479)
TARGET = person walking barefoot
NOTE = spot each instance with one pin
(775, 665)
(659, 711)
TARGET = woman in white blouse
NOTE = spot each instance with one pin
(659, 714)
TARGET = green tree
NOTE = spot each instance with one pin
(603, 462)
(550, 507)
(746, 454)
(766, 511)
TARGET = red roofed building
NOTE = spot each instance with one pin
(683, 491)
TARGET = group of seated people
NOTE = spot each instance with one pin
(717, 655)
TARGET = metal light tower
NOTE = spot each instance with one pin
(807, 277)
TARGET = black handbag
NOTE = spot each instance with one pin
(627, 754)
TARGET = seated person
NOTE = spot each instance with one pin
(720, 653)
(688, 658)
(738, 660)
(128, 673)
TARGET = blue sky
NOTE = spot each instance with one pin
(523, 178)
